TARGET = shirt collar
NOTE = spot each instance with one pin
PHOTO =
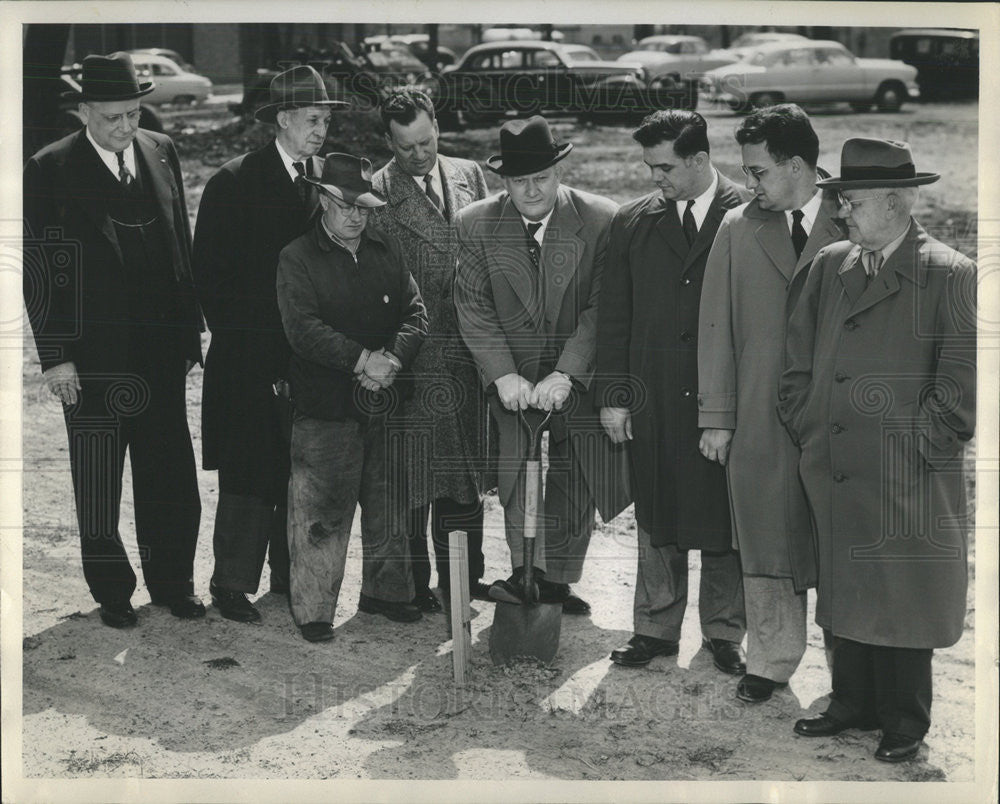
(890, 247)
(701, 204)
(810, 209)
(540, 234)
(110, 158)
(288, 162)
(434, 173)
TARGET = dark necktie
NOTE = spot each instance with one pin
(123, 175)
(799, 236)
(690, 228)
(435, 199)
(873, 262)
(303, 187)
(534, 249)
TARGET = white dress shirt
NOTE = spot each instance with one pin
(809, 212)
(701, 204)
(110, 158)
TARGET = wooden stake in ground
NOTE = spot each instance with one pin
(461, 613)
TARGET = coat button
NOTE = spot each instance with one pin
(840, 377)
(839, 477)
(836, 429)
(685, 392)
(685, 281)
(850, 325)
(686, 336)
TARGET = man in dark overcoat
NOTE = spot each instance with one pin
(761, 249)
(251, 209)
(443, 426)
(880, 392)
(530, 262)
(647, 356)
(113, 312)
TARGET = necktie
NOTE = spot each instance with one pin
(435, 199)
(873, 262)
(300, 185)
(534, 249)
(123, 175)
(799, 236)
(690, 228)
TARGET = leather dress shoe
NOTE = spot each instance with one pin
(897, 747)
(118, 614)
(512, 589)
(234, 605)
(757, 689)
(426, 602)
(480, 591)
(727, 656)
(575, 605)
(394, 610)
(186, 607)
(640, 651)
(825, 726)
(317, 632)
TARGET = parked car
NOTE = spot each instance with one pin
(580, 52)
(680, 56)
(747, 43)
(946, 59)
(172, 84)
(522, 77)
(811, 72)
(173, 55)
(418, 45)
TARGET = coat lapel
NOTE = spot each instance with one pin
(775, 241)
(412, 209)
(825, 230)
(82, 178)
(905, 261)
(562, 249)
(510, 259)
(852, 276)
(724, 200)
(457, 192)
(669, 227)
(163, 186)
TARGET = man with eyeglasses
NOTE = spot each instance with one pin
(754, 271)
(112, 307)
(354, 319)
(880, 391)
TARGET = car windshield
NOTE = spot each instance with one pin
(661, 47)
(395, 60)
(762, 58)
(582, 55)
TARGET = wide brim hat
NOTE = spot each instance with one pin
(867, 163)
(109, 78)
(526, 146)
(296, 88)
(348, 178)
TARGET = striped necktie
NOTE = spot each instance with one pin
(123, 173)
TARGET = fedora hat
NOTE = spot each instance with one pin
(109, 78)
(348, 178)
(868, 163)
(294, 89)
(526, 146)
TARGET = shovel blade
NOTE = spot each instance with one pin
(530, 631)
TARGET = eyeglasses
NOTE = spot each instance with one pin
(115, 119)
(844, 201)
(758, 172)
(348, 209)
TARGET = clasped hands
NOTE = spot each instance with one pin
(378, 371)
(516, 393)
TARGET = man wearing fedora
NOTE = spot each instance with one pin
(117, 328)
(528, 278)
(253, 207)
(880, 392)
(762, 247)
(354, 319)
(444, 423)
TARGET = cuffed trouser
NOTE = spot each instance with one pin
(448, 515)
(565, 527)
(776, 626)
(661, 587)
(883, 685)
(335, 466)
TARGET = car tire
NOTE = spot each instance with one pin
(890, 97)
(761, 99)
(185, 100)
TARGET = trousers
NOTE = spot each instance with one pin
(446, 515)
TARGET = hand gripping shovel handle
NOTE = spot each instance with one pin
(532, 491)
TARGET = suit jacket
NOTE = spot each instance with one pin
(75, 286)
(447, 410)
(250, 210)
(516, 318)
(647, 361)
(880, 392)
(750, 272)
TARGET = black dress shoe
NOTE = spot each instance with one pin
(897, 747)
(187, 607)
(575, 605)
(317, 632)
(234, 605)
(512, 589)
(426, 602)
(825, 726)
(727, 656)
(552, 592)
(480, 591)
(757, 689)
(118, 614)
(394, 610)
(640, 651)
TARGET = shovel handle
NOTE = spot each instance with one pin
(532, 484)
(534, 433)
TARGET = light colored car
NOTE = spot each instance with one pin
(811, 72)
(676, 55)
(747, 43)
(172, 84)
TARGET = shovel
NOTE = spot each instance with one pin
(530, 629)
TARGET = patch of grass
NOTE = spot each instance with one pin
(92, 761)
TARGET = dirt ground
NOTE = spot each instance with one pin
(212, 699)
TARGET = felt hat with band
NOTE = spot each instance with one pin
(526, 146)
(348, 178)
(109, 78)
(296, 88)
(867, 163)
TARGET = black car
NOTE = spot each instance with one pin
(522, 77)
(947, 60)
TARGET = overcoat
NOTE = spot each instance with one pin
(516, 318)
(880, 391)
(76, 290)
(748, 278)
(250, 210)
(446, 416)
(647, 356)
